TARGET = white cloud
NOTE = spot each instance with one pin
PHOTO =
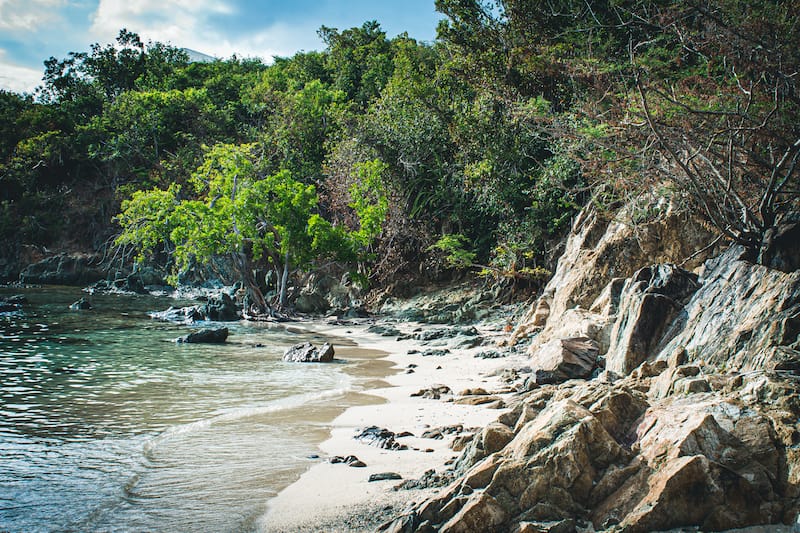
(16, 78)
(28, 15)
(199, 25)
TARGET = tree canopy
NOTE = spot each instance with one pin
(388, 155)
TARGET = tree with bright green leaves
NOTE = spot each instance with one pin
(257, 220)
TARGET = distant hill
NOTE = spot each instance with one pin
(198, 57)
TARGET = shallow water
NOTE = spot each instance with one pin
(108, 425)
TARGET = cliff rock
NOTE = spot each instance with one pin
(663, 397)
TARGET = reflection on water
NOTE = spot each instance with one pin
(106, 424)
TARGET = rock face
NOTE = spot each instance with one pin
(64, 269)
(308, 353)
(205, 336)
(693, 421)
(650, 300)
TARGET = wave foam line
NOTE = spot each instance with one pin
(240, 413)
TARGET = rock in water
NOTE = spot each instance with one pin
(308, 353)
(207, 336)
(81, 305)
(181, 315)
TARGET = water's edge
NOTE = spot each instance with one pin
(110, 426)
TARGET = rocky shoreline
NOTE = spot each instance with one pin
(633, 397)
(654, 386)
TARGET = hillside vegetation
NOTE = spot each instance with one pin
(399, 160)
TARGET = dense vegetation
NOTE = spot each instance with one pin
(396, 159)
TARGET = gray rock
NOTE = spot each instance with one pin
(308, 353)
(205, 336)
(384, 476)
(384, 330)
(81, 305)
(380, 437)
(649, 302)
(181, 315)
(64, 269)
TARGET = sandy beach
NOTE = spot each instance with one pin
(338, 497)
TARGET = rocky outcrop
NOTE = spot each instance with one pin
(602, 248)
(606, 456)
(308, 353)
(647, 304)
(658, 397)
(64, 269)
(744, 317)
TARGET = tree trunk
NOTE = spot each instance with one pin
(253, 302)
(284, 282)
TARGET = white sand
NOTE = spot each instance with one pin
(335, 497)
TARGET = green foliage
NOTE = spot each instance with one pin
(369, 200)
(454, 248)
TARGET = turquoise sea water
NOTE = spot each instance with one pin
(108, 425)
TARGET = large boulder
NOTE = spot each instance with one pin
(205, 336)
(563, 359)
(308, 353)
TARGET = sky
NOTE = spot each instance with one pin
(33, 30)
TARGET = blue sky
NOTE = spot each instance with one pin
(34, 30)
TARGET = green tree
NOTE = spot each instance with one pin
(257, 220)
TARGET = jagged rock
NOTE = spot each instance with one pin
(491, 354)
(563, 359)
(182, 315)
(480, 513)
(308, 353)
(601, 249)
(478, 400)
(649, 302)
(207, 336)
(350, 460)
(781, 251)
(383, 330)
(221, 308)
(311, 302)
(434, 392)
(495, 436)
(740, 318)
(380, 437)
(435, 352)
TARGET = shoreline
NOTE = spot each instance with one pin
(338, 497)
